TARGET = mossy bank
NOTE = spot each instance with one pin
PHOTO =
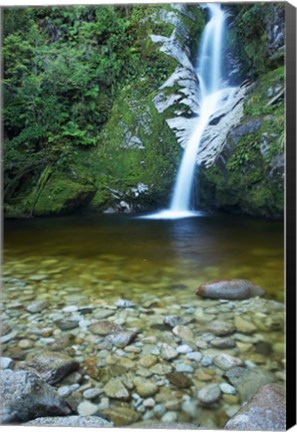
(102, 137)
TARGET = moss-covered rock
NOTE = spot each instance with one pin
(248, 176)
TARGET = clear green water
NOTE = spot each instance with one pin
(111, 255)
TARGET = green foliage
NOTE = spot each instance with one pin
(248, 37)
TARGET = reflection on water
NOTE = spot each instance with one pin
(134, 255)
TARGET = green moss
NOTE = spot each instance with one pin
(60, 195)
(250, 180)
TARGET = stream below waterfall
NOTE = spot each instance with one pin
(140, 255)
(116, 293)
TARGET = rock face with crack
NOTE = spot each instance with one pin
(24, 396)
(265, 411)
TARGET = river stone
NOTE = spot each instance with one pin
(248, 381)
(92, 393)
(184, 349)
(38, 278)
(52, 367)
(148, 361)
(265, 411)
(122, 303)
(6, 363)
(153, 424)
(195, 356)
(25, 396)
(70, 308)
(183, 332)
(103, 313)
(25, 344)
(37, 306)
(8, 337)
(150, 350)
(168, 352)
(5, 328)
(104, 328)
(226, 361)
(209, 394)
(66, 324)
(161, 369)
(121, 339)
(87, 408)
(221, 328)
(121, 415)
(223, 343)
(116, 390)
(169, 417)
(71, 421)
(232, 289)
(146, 389)
(149, 403)
(172, 321)
(184, 367)
(179, 380)
(227, 389)
(244, 326)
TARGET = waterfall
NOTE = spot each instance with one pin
(213, 97)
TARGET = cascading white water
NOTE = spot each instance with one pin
(213, 96)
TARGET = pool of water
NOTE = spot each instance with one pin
(107, 255)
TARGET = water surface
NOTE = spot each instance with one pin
(112, 255)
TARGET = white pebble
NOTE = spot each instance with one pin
(70, 308)
(184, 349)
(169, 417)
(196, 356)
(149, 403)
(6, 363)
(227, 388)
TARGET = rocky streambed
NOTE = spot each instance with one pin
(177, 361)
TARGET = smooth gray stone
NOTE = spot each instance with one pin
(24, 396)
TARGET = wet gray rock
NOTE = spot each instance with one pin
(226, 361)
(227, 388)
(152, 424)
(209, 394)
(173, 321)
(195, 356)
(221, 328)
(104, 328)
(184, 367)
(122, 303)
(168, 352)
(71, 421)
(116, 390)
(121, 415)
(52, 367)
(103, 313)
(180, 380)
(6, 363)
(25, 396)
(248, 381)
(161, 369)
(122, 338)
(146, 389)
(37, 306)
(87, 408)
(38, 277)
(223, 343)
(184, 333)
(8, 337)
(265, 411)
(233, 289)
(92, 393)
(66, 324)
